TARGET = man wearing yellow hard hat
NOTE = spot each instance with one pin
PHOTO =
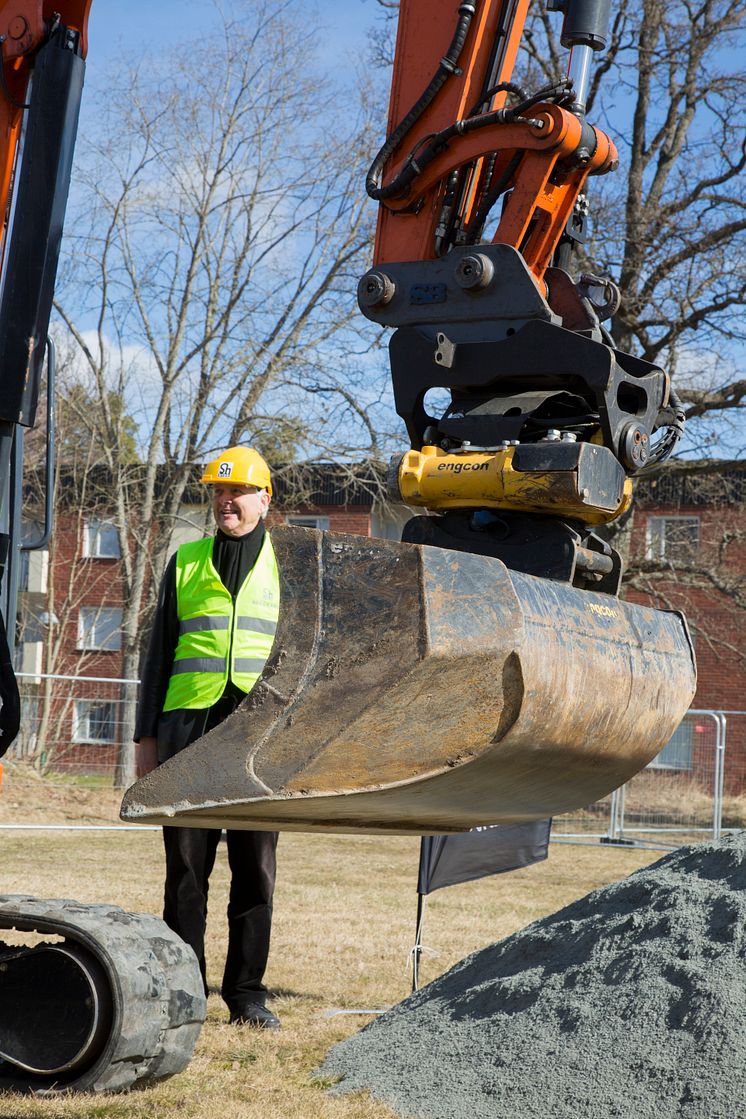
(213, 630)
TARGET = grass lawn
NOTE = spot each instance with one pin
(344, 926)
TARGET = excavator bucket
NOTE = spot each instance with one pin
(417, 689)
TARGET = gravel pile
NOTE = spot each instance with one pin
(630, 1003)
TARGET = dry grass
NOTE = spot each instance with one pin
(28, 798)
(672, 796)
(344, 925)
(734, 812)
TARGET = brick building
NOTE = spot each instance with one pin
(688, 551)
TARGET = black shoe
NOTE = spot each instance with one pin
(254, 1014)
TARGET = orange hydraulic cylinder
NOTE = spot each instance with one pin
(545, 183)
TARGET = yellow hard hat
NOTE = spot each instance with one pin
(240, 466)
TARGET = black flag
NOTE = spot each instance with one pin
(448, 859)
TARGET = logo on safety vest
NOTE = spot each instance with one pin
(225, 470)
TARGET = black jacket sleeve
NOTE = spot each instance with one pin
(159, 659)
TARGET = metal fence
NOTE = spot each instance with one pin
(695, 787)
(74, 725)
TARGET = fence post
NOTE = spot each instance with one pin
(616, 815)
(719, 776)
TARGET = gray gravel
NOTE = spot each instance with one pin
(630, 1003)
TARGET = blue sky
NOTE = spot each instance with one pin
(145, 26)
(120, 35)
(117, 28)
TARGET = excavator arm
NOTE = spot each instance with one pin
(484, 670)
(546, 418)
(470, 136)
(42, 53)
(99, 999)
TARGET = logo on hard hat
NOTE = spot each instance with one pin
(225, 470)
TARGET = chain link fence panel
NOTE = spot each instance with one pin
(73, 726)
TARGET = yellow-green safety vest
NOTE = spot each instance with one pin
(216, 638)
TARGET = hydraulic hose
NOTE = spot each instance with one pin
(475, 227)
(446, 68)
(674, 431)
(439, 140)
(501, 87)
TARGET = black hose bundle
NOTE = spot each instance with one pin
(436, 142)
(446, 68)
(674, 430)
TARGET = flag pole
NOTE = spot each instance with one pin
(417, 950)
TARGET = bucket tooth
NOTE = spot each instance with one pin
(416, 689)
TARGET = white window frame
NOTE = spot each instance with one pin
(90, 619)
(303, 520)
(94, 537)
(656, 536)
(81, 722)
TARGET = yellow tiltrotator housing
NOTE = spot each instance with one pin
(594, 489)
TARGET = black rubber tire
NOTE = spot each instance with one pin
(157, 993)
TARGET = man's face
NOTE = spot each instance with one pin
(238, 509)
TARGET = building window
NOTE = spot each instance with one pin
(308, 522)
(672, 538)
(101, 540)
(100, 627)
(678, 752)
(94, 721)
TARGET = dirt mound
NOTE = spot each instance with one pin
(630, 1004)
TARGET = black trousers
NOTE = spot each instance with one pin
(190, 857)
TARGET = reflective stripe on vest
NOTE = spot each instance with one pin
(213, 633)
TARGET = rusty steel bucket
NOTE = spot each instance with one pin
(416, 689)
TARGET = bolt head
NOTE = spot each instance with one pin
(17, 27)
(474, 272)
(634, 447)
(375, 289)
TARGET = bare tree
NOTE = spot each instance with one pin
(80, 591)
(213, 255)
(671, 223)
(382, 34)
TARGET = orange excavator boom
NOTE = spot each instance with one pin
(484, 670)
(25, 27)
(455, 145)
